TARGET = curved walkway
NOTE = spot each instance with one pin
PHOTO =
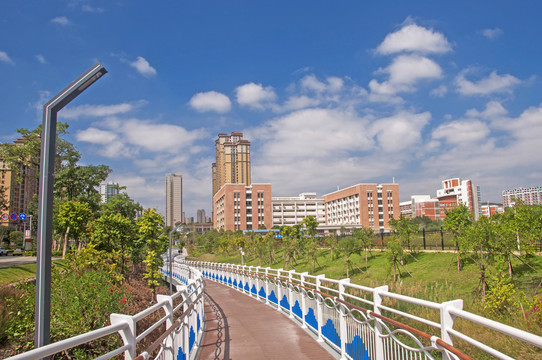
(241, 327)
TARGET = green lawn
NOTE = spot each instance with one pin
(22, 272)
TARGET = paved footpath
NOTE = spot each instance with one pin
(241, 327)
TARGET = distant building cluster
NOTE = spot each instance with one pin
(454, 192)
(238, 204)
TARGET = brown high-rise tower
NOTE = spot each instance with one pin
(232, 164)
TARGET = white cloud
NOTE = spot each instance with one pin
(99, 110)
(414, 38)
(317, 149)
(255, 96)
(154, 137)
(439, 91)
(310, 82)
(96, 136)
(210, 101)
(90, 9)
(494, 110)
(41, 59)
(143, 67)
(494, 83)
(404, 72)
(462, 131)
(61, 20)
(492, 34)
(299, 102)
(400, 131)
(5, 58)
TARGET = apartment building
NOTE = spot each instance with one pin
(232, 164)
(108, 190)
(292, 210)
(363, 205)
(17, 193)
(242, 207)
(174, 199)
(530, 196)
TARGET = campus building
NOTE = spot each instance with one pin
(174, 199)
(362, 205)
(242, 207)
(455, 192)
(232, 164)
(292, 210)
(489, 210)
(530, 196)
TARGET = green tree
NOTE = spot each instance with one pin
(332, 241)
(151, 233)
(270, 247)
(395, 255)
(349, 246)
(405, 228)
(16, 238)
(76, 182)
(72, 219)
(458, 221)
(288, 234)
(366, 238)
(121, 204)
(312, 244)
(28, 151)
(115, 234)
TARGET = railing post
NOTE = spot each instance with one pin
(250, 281)
(257, 282)
(319, 307)
(168, 309)
(279, 289)
(447, 322)
(267, 285)
(128, 335)
(342, 309)
(377, 301)
(303, 294)
(290, 292)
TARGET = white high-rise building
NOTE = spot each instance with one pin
(530, 196)
(174, 199)
(108, 190)
(455, 192)
(292, 210)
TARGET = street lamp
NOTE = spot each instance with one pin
(170, 258)
(42, 334)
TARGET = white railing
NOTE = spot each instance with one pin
(182, 313)
(349, 317)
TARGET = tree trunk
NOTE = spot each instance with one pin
(347, 267)
(510, 272)
(65, 243)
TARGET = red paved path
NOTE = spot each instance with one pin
(241, 327)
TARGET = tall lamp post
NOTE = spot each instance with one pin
(42, 334)
(171, 259)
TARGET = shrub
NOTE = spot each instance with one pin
(81, 301)
(502, 296)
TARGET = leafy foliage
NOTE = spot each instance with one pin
(71, 312)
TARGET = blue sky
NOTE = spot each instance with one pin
(329, 93)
